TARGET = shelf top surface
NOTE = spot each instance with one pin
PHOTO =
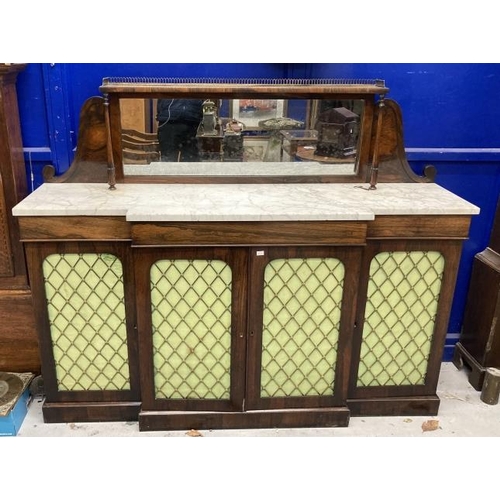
(242, 202)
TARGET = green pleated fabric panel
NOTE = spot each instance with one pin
(191, 318)
(86, 309)
(402, 301)
(301, 320)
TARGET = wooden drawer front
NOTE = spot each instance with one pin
(74, 228)
(249, 233)
(419, 226)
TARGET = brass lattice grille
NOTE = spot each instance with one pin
(403, 294)
(302, 303)
(85, 304)
(191, 317)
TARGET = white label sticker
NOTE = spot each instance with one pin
(259, 253)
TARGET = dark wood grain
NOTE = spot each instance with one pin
(18, 338)
(90, 161)
(90, 412)
(388, 144)
(308, 417)
(419, 227)
(249, 233)
(74, 228)
(394, 406)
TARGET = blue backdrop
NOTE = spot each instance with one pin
(450, 111)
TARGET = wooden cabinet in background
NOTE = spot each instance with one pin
(479, 345)
(18, 338)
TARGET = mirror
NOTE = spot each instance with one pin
(252, 137)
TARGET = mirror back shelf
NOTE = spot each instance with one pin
(244, 131)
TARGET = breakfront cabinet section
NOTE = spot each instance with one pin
(85, 309)
(403, 308)
(241, 337)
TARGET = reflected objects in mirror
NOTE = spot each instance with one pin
(338, 130)
(178, 122)
(293, 133)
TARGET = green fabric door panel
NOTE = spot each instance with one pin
(402, 300)
(86, 310)
(191, 318)
(301, 318)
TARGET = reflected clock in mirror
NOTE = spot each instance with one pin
(240, 136)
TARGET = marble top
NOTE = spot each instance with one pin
(240, 169)
(242, 202)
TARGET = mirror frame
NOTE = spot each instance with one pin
(114, 89)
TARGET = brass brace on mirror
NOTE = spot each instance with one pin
(375, 162)
(109, 146)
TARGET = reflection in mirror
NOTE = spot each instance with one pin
(240, 136)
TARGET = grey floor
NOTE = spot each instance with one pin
(461, 414)
(380, 460)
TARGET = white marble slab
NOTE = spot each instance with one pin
(241, 169)
(241, 202)
(411, 199)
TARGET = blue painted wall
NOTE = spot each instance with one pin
(451, 114)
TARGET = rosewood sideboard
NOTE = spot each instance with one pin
(243, 293)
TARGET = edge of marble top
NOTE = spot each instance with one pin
(350, 202)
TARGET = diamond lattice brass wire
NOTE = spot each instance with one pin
(85, 303)
(403, 294)
(191, 316)
(302, 303)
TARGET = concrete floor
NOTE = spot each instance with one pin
(386, 463)
(461, 414)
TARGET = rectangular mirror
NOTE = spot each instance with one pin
(213, 137)
(239, 131)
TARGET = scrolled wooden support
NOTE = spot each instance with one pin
(430, 172)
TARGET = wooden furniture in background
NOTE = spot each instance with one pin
(479, 345)
(18, 338)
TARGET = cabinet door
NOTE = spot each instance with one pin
(404, 304)
(191, 320)
(301, 319)
(84, 305)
